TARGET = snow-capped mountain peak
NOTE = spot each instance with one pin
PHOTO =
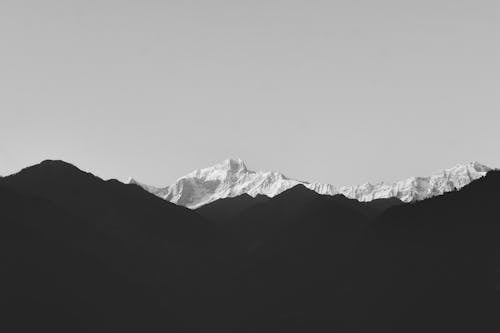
(413, 188)
(235, 165)
(228, 167)
(232, 178)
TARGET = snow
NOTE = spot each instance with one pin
(232, 178)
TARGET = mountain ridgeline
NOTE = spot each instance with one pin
(232, 178)
(80, 254)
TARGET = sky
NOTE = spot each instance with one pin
(340, 92)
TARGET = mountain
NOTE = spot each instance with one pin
(61, 273)
(82, 254)
(232, 178)
(227, 179)
(295, 249)
(295, 213)
(331, 264)
(110, 205)
(414, 188)
(433, 265)
(225, 209)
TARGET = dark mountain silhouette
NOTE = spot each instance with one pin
(135, 259)
(298, 248)
(55, 272)
(325, 263)
(375, 207)
(225, 209)
(110, 205)
(434, 265)
(81, 254)
(294, 210)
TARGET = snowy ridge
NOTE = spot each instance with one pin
(232, 178)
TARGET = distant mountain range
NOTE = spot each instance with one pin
(232, 178)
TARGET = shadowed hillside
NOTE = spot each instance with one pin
(108, 255)
(434, 265)
(298, 248)
(223, 210)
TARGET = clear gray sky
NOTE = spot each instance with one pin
(340, 92)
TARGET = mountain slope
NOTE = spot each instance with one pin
(433, 265)
(110, 205)
(225, 209)
(232, 178)
(81, 254)
(107, 254)
(328, 263)
(296, 249)
(56, 271)
(227, 179)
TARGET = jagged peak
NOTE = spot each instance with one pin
(234, 164)
(230, 165)
(478, 166)
(134, 181)
(475, 165)
(298, 191)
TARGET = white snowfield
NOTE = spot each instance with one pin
(232, 178)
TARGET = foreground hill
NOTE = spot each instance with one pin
(111, 205)
(433, 265)
(105, 254)
(56, 272)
